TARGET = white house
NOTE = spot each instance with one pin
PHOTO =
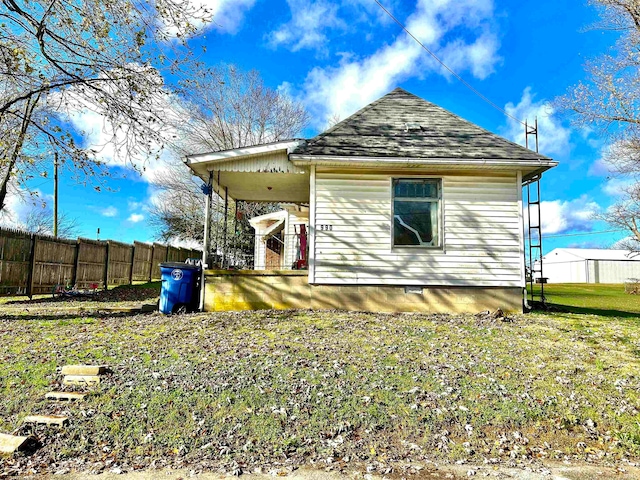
(589, 265)
(411, 208)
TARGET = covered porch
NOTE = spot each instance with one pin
(274, 256)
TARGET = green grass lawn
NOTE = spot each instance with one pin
(218, 391)
(598, 299)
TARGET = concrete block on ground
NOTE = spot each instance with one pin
(121, 309)
(84, 369)
(82, 380)
(65, 396)
(13, 443)
(149, 307)
(58, 420)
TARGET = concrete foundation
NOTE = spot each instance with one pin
(281, 290)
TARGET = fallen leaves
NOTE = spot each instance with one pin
(233, 392)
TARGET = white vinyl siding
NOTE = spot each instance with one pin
(481, 244)
(270, 162)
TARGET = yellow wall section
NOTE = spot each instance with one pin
(235, 291)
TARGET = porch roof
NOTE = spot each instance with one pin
(261, 173)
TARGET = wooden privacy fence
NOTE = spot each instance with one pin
(33, 264)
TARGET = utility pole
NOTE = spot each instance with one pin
(55, 194)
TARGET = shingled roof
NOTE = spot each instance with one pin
(380, 130)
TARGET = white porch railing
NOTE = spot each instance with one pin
(261, 252)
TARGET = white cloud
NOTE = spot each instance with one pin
(181, 243)
(227, 14)
(110, 144)
(553, 136)
(312, 20)
(19, 203)
(560, 216)
(110, 211)
(445, 26)
(627, 243)
(588, 244)
(617, 187)
(308, 24)
(135, 218)
(600, 168)
(132, 204)
(15, 211)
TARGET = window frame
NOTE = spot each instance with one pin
(440, 214)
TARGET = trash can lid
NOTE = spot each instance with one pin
(183, 266)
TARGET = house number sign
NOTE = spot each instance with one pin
(325, 227)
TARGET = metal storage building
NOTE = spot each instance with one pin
(590, 265)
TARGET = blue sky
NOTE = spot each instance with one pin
(336, 57)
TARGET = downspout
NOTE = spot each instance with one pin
(207, 190)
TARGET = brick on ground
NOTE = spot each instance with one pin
(13, 443)
(58, 420)
(65, 396)
(82, 380)
(84, 369)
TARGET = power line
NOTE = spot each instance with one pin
(462, 80)
(581, 234)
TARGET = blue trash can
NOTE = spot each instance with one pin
(180, 292)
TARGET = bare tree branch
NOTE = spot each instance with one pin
(226, 108)
(60, 57)
(610, 100)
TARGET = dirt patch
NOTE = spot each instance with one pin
(41, 306)
(440, 472)
(113, 295)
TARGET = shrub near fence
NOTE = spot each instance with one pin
(34, 264)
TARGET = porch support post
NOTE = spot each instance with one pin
(235, 234)
(224, 234)
(207, 234)
(311, 261)
(216, 243)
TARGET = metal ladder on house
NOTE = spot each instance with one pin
(534, 229)
(534, 239)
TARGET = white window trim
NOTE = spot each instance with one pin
(440, 201)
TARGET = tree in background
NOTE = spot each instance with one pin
(62, 57)
(233, 109)
(40, 219)
(226, 108)
(610, 100)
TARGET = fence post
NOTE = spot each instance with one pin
(153, 247)
(106, 268)
(76, 263)
(133, 261)
(32, 266)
